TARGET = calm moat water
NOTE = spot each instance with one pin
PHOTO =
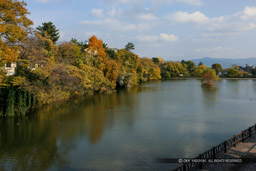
(128, 130)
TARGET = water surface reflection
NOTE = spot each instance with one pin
(129, 129)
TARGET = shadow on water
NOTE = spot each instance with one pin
(22, 144)
(45, 135)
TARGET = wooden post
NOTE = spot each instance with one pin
(234, 140)
(250, 134)
(225, 146)
(184, 167)
(242, 136)
(200, 164)
(213, 152)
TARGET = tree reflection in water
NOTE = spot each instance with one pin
(42, 138)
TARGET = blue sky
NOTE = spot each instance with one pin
(172, 29)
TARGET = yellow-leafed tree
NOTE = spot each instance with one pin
(112, 71)
(200, 71)
(14, 26)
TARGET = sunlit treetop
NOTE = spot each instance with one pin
(14, 27)
(96, 45)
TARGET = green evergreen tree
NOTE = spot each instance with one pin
(129, 46)
(49, 29)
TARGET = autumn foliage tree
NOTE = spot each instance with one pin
(96, 49)
(158, 60)
(199, 71)
(172, 70)
(129, 64)
(70, 52)
(234, 72)
(14, 27)
(148, 70)
(112, 71)
(190, 65)
(209, 78)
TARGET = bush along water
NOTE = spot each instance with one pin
(15, 101)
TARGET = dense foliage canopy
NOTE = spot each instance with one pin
(14, 27)
(47, 72)
(235, 73)
(218, 68)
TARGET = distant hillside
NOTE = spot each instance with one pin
(225, 62)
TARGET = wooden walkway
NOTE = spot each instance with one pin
(242, 150)
(240, 146)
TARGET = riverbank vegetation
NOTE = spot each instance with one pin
(47, 72)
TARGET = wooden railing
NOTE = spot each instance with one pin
(219, 148)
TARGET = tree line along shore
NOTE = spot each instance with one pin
(46, 72)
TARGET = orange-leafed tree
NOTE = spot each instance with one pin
(14, 27)
(95, 48)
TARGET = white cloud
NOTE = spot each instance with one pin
(155, 2)
(219, 35)
(184, 17)
(118, 1)
(238, 22)
(147, 17)
(144, 26)
(97, 13)
(46, 1)
(43, 1)
(115, 12)
(111, 24)
(233, 24)
(146, 38)
(249, 12)
(189, 2)
(162, 36)
(251, 26)
(168, 37)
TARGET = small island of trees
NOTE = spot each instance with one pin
(209, 78)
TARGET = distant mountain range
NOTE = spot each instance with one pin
(225, 62)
